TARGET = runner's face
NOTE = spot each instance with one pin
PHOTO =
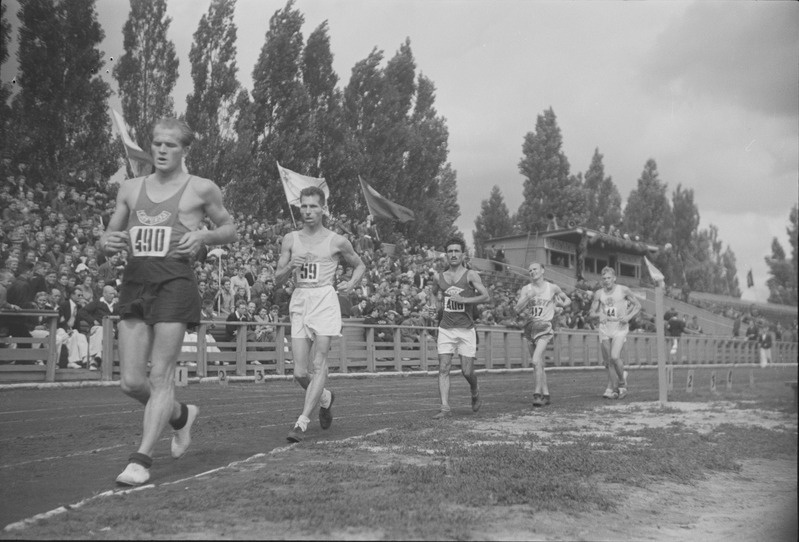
(167, 149)
(608, 280)
(536, 271)
(454, 255)
(311, 210)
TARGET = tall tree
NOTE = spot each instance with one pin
(60, 110)
(793, 236)
(687, 254)
(329, 156)
(548, 187)
(648, 213)
(5, 88)
(493, 220)
(210, 109)
(148, 70)
(782, 283)
(425, 168)
(281, 104)
(603, 201)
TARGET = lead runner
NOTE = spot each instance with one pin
(158, 220)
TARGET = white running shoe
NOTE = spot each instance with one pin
(182, 437)
(134, 475)
(608, 394)
(622, 393)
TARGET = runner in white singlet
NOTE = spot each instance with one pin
(615, 305)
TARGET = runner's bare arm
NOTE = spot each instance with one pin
(595, 311)
(115, 238)
(634, 304)
(522, 302)
(477, 283)
(561, 299)
(286, 264)
(225, 231)
(345, 250)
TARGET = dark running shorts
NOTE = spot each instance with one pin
(159, 290)
(535, 330)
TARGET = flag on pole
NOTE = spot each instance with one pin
(654, 272)
(140, 162)
(750, 280)
(293, 183)
(381, 207)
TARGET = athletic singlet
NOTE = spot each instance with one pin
(542, 305)
(154, 228)
(613, 305)
(456, 315)
(320, 266)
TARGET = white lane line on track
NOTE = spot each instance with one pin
(56, 458)
(22, 524)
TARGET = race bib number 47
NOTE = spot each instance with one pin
(152, 241)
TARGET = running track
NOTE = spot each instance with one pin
(60, 446)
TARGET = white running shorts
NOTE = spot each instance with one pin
(315, 311)
(457, 340)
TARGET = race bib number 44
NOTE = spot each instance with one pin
(152, 241)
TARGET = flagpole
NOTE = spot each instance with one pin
(292, 216)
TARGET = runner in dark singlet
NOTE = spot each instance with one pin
(462, 289)
(157, 219)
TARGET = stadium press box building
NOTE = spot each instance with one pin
(576, 251)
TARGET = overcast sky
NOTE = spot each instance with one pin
(710, 90)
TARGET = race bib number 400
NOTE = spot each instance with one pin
(152, 241)
(449, 304)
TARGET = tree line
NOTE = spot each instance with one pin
(382, 125)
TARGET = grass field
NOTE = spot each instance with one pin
(708, 466)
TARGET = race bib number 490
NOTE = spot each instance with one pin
(150, 241)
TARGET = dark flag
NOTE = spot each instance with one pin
(750, 280)
(383, 208)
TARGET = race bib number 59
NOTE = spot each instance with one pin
(150, 241)
(309, 273)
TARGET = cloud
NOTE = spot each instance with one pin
(739, 52)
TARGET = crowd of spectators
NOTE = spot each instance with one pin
(50, 259)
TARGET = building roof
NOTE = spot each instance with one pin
(575, 234)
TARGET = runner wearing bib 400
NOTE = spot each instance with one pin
(461, 290)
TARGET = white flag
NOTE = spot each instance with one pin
(141, 163)
(293, 183)
(654, 272)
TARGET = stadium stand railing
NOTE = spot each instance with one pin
(358, 351)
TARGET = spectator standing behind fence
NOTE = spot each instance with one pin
(159, 218)
(765, 342)
(94, 312)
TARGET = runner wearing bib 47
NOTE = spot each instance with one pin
(537, 303)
